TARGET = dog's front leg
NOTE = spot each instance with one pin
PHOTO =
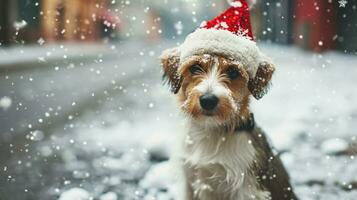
(187, 183)
(188, 191)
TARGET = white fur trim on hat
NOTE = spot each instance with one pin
(223, 42)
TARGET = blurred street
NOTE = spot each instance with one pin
(42, 90)
(53, 95)
(106, 124)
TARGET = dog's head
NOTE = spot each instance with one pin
(214, 72)
(213, 87)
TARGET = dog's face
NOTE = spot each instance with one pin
(213, 89)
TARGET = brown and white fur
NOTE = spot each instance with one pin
(219, 162)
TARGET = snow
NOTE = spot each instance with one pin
(235, 3)
(5, 102)
(342, 3)
(130, 164)
(334, 145)
(19, 24)
(159, 176)
(109, 196)
(22, 55)
(75, 194)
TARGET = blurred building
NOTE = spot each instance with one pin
(6, 17)
(53, 20)
(311, 24)
(347, 27)
(274, 21)
(71, 19)
(4, 37)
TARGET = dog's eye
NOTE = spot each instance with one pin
(195, 69)
(232, 73)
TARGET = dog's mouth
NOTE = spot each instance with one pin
(209, 113)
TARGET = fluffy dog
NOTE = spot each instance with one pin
(225, 155)
(214, 73)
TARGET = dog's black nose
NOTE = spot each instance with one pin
(208, 101)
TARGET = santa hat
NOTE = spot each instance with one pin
(229, 34)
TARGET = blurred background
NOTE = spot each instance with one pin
(84, 115)
(314, 25)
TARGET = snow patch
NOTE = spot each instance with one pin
(334, 145)
(109, 196)
(131, 165)
(159, 176)
(159, 146)
(75, 194)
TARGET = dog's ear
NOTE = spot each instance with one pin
(170, 60)
(259, 85)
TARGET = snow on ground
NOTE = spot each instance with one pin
(121, 150)
(138, 147)
(25, 54)
(75, 193)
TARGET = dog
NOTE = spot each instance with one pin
(225, 155)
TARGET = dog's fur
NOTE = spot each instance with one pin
(219, 162)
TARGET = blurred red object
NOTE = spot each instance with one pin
(110, 19)
(315, 24)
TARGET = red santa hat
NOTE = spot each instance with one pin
(229, 34)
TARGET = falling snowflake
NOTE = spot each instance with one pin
(342, 3)
(40, 41)
(179, 27)
(19, 24)
(5, 102)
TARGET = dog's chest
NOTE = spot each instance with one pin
(212, 182)
(219, 167)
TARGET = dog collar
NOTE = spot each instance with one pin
(246, 125)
